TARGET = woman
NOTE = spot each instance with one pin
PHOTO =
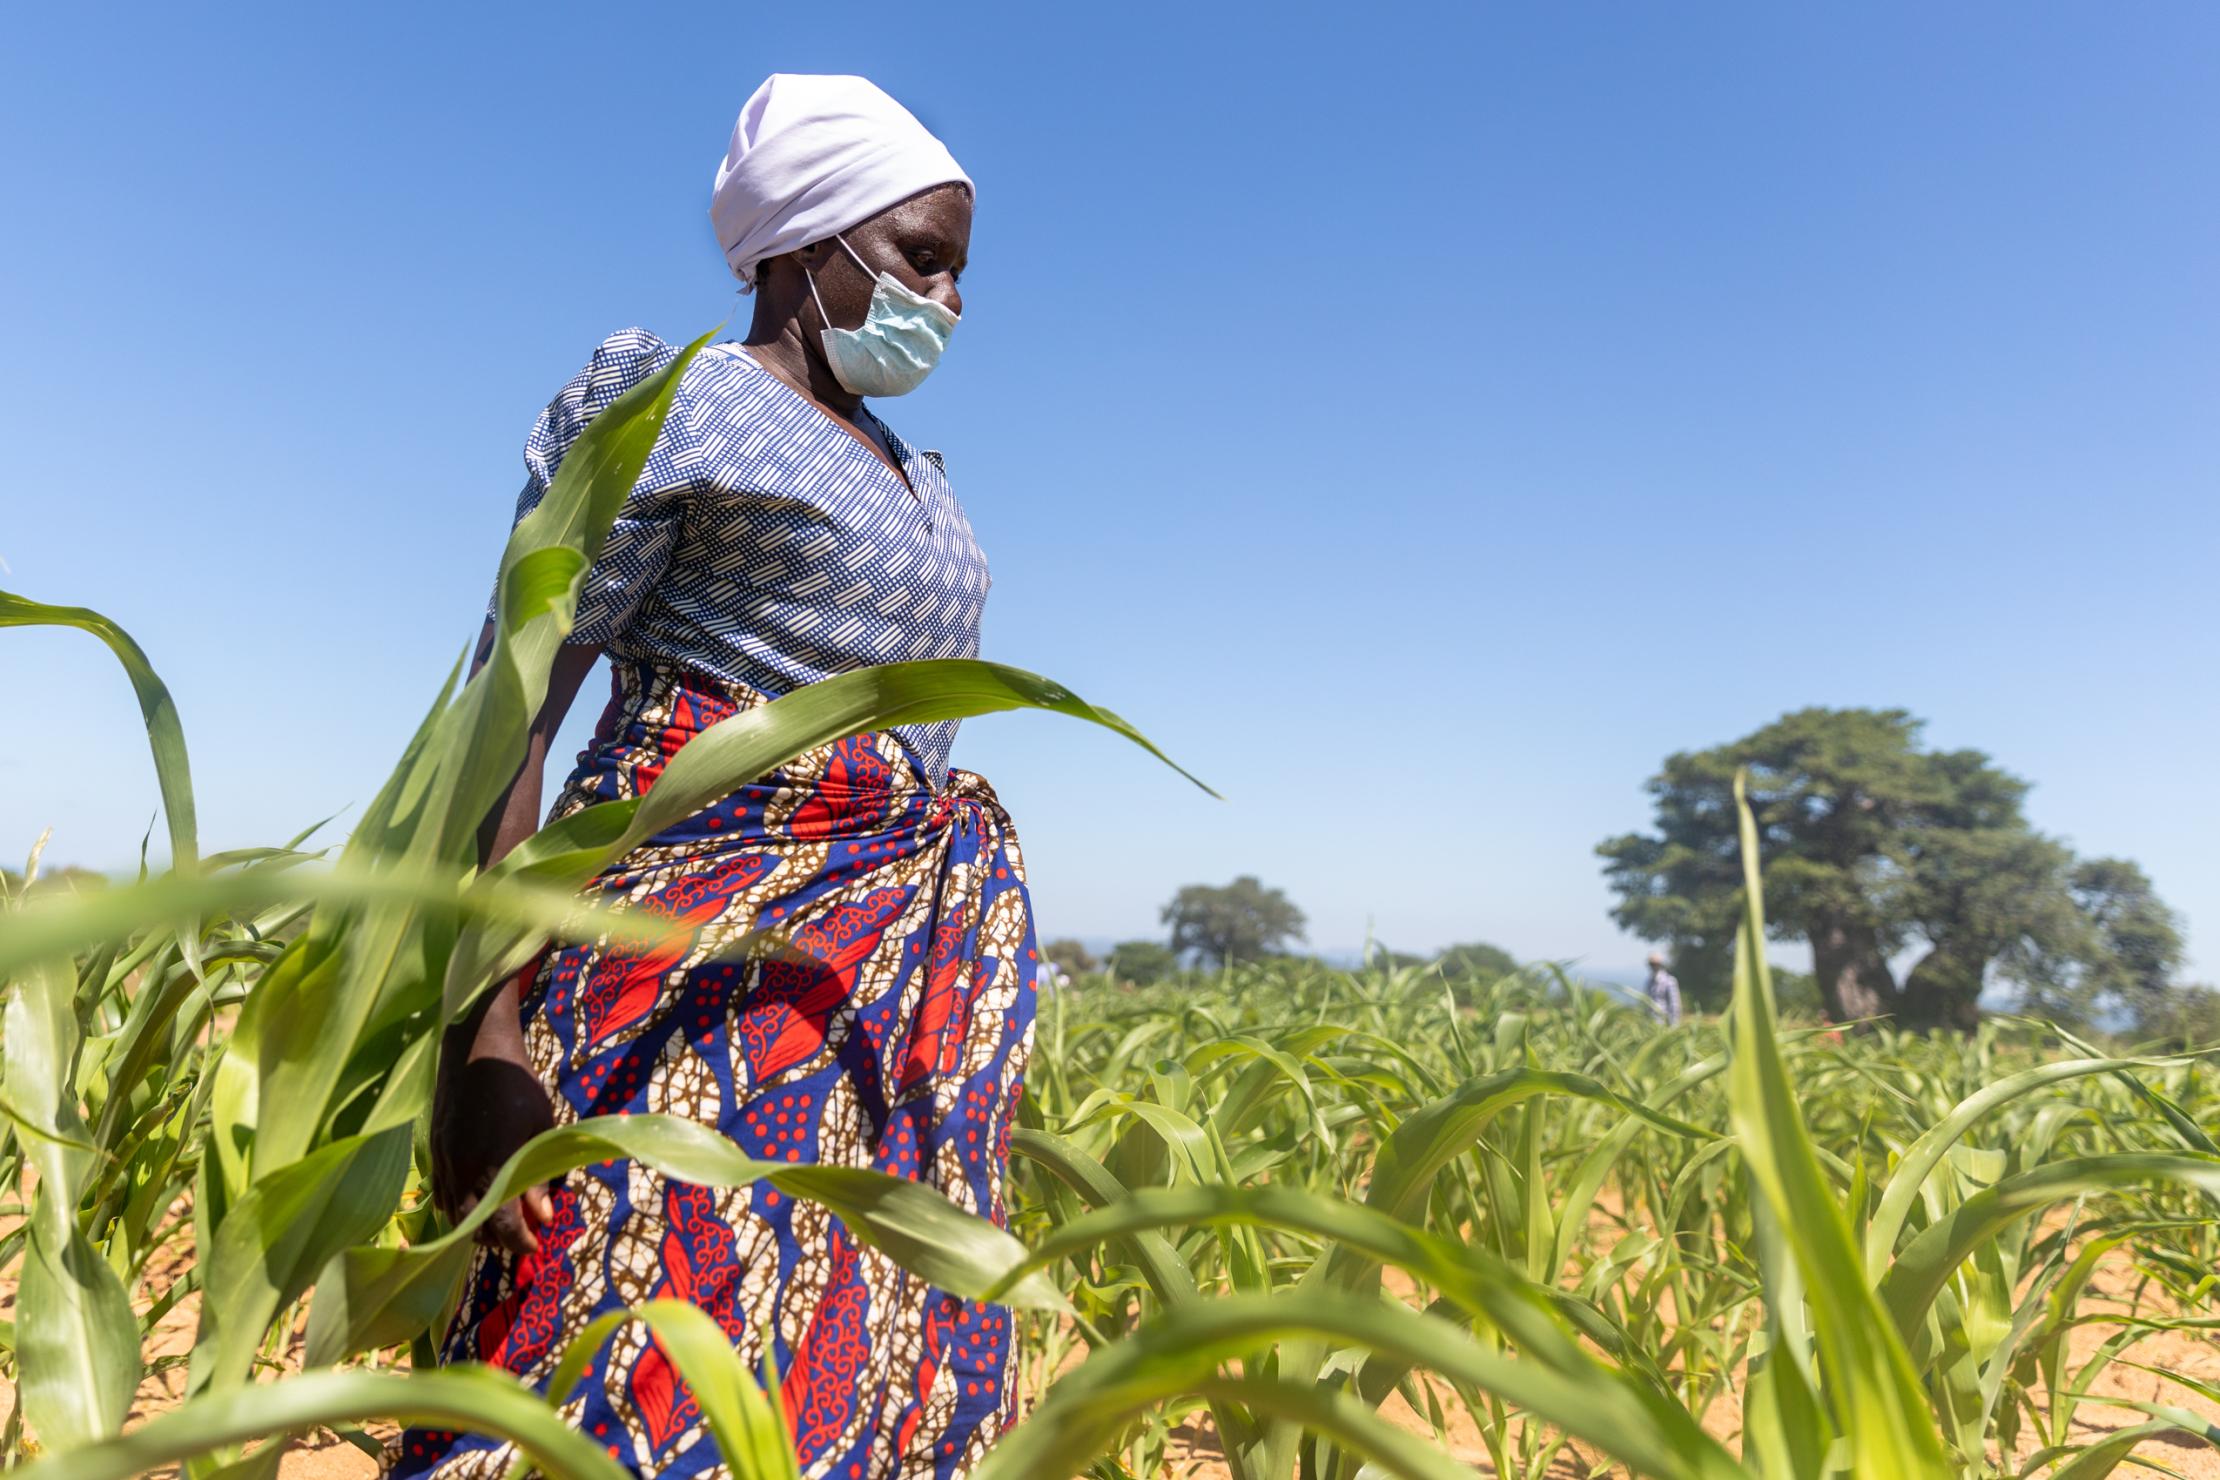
(779, 533)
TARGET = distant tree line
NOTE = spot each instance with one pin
(1213, 926)
(67, 877)
(1913, 874)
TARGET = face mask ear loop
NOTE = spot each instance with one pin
(822, 316)
(851, 251)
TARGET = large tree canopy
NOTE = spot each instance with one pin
(1876, 849)
(1240, 921)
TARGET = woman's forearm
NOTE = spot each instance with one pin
(517, 815)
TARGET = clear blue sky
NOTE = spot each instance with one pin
(1419, 420)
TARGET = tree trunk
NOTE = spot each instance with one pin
(1853, 971)
(1943, 990)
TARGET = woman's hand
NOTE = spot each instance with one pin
(486, 1103)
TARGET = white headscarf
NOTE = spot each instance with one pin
(812, 156)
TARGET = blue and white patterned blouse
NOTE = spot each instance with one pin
(763, 544)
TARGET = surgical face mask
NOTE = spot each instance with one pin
(896, 346)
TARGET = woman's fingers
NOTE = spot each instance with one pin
(508, 1231)
(539, 1206)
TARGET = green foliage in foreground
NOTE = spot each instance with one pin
(1279, 1199)
(1891, 1236)
(1274, 1200)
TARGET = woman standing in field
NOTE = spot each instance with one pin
(780, 533)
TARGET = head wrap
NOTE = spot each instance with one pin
(812, 156)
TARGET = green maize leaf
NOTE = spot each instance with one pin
(77, 1341)
(1180, 1135)
(481, 737)
(1783, 1425)
(2192, 1135)
(2114, 1449)
(1933, 1145)
(754, 742)
(474, 1399)
(742, 1415)
(1588, 1179)
(276, 1237)
(165, 736)
(2064, 1296)
(579, 1355)
(446, 788)
(1929, 1259)
(144, 1041)
(261, 1464)
(1321, 1410)
(1441, 1132)
(382, 1296)
(378, 833)
(1871, 1387)
(76, 1338)
(541, 580)
(28, 1125)
(1404, 1172)
(1544, 1323)
(2210, 1391)
(1167, 1275)
(744, 748)
(1248, 1095)
(404, 1098)
(47, 929)
(1182, 1350)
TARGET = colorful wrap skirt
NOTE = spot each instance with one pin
(889, 1029)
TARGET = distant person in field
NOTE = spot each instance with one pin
(1663, 990)
(782, 532)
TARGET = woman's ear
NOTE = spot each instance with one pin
(788, 272)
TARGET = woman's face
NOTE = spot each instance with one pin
(924, 242)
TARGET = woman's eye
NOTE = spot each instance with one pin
(928, 264)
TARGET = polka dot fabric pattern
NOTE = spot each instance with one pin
(763, 544)
(856, 988)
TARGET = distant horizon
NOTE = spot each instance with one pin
(1420, 467)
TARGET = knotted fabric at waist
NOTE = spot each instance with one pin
(859, 791)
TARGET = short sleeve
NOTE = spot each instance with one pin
(640, 543)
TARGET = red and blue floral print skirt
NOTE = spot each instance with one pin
(889, 1030)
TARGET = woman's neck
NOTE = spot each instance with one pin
(781, 346)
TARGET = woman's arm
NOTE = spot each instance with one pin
(486, 1101)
